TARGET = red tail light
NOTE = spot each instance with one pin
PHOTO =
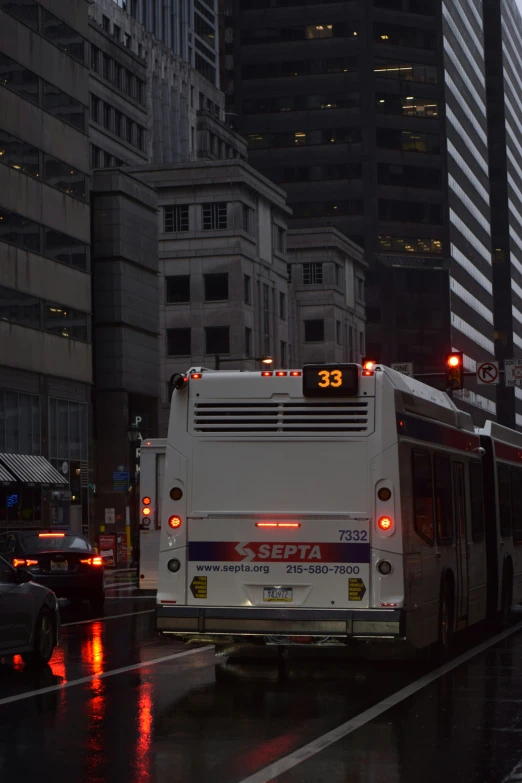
(175, 522)
(195, 376)
(295, 374)
(385, 523)
(95, 561)
(267, 374)
(278, 524)
(146, 501)
(280, 374)
(18, 562)
(51, 535)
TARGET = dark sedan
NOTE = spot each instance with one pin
(62, 561)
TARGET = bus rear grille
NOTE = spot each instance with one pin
(285, 417)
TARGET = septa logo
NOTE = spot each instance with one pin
(285, 552)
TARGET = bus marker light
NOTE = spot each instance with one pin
(146, 511)
(385, 523)
(384, 493)
(174, 566)
(196, 376)
(175, 522)
(296, 374)
(176, 493)
(368, 373)
(384, 567)
(388, 606)
(280, 374)
(278, 524)
(266, 374)
(146, 501)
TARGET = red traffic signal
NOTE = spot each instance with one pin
(455, 371)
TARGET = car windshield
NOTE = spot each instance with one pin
(44, 542)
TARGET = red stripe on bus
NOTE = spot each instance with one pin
(511, 453)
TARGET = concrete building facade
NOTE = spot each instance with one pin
(327, 273)
(45, 280)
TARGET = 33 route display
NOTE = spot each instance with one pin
(330, 380)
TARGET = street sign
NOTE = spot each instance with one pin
(109, 516)
(513, 372)
(488, 374)
(406, 368)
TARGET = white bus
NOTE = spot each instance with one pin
(327, 504)
(152, 470)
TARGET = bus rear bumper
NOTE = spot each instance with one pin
(357, 623)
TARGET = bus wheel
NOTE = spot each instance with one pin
(507, 597)
(445, 641)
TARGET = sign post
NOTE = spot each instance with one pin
(488, 374)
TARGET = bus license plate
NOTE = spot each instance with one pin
(283, 594)
(59, 566)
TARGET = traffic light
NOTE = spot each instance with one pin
(454, 371)
(368, 363)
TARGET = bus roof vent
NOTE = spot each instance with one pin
(284, 417)
(408, 400)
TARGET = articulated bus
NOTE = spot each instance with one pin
(152, 470)
(330, 504)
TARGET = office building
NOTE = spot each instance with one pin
(372, 116)
(45, 282)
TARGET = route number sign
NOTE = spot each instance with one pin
(488, 374)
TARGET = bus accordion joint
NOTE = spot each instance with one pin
(278, 524)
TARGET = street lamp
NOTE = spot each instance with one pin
(134, 436)
(264, 359)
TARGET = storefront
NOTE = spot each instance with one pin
(29, 492)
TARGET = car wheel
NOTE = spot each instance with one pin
(97, 601)
(44, 639)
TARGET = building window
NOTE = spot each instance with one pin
(106, 67)
(66, 322)
(338, 278)
(280, 239)
(67, 429)
(140, 137)
(64, 107)
(282, 306)
(390, 103)
(19, 155)
(289, 272)
(64, 248)
(64, 177)
(248, 342)
(19, 79)
(178, 288)
(129, 128)
(20, 416)
(217, 339)
(95, 108)
(128, 40)
(216, 287)
(176, 218)
(338, 332)
(19, 308)
(313, 273)
(247, 218)
(283, 353)
(107, 112)
(410, 245)
(391, 210)
(63, 36)
(178, 342)
(26, 12)
(423, 510)
(95, 58)
(106, 23)
(19, 231)
(116, 31)
(266, 320)
(407, 71)
(215, 216)
(247, 282)
(314, 331)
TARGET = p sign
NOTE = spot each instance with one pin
(488, 374)
(406, 368)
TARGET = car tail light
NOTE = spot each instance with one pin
(95, 561)
(51, 535)
(175, 522)
(278, 524)
(385, 523)
(17, 562)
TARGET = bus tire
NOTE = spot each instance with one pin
(446, 609)
(507, 595)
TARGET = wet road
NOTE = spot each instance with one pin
(118, 703)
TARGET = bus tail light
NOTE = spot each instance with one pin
(278, 524)
(385, 523)
(146, 501)
(146, 511)
(175, 522)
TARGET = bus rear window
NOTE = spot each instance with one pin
(423, 496)
(504, 500)
(443, 499)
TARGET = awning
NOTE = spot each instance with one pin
(5, 476)
(28, 469)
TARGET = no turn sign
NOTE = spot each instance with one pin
(488, 374)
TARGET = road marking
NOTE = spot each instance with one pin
(103, 675)
(110, 617)
(273, 771)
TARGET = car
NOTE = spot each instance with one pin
(29, 616)
(63, 561)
